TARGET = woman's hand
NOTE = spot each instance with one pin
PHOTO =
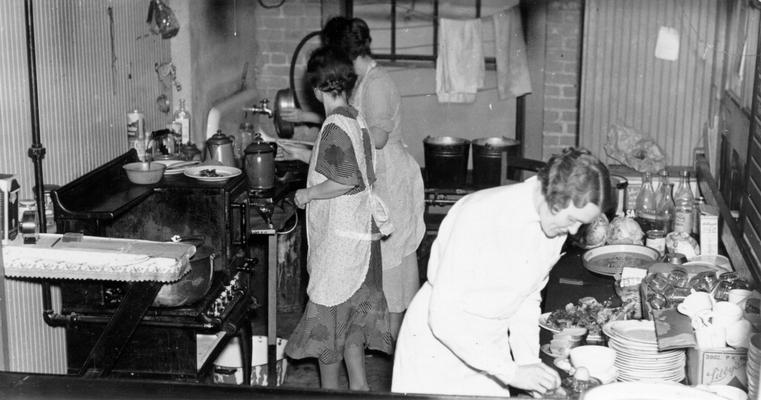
(301, 198)
(289, 151)
(295, 115)
(536, 378)
(299, 116)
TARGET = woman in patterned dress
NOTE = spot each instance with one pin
(347, 311)
(399, 181)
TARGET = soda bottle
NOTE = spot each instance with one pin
(182, 117)
(645, 205)
(683, 205)
(665, 208)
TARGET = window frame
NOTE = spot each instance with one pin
(394, 57)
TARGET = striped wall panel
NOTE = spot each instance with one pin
(86, 86)
(623, 82)
(85, 89)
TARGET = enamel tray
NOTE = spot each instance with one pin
(611, 259)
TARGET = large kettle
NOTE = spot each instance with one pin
(259, 164)
(219, 148)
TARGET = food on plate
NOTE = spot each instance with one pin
(588, 313)
(209, 173)
(624, 230)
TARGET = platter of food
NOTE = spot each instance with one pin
(587, 313)
(212, 173)
(611, 259)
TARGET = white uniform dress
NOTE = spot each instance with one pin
(399, 184)
(481, 302)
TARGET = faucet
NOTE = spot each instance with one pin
(261, 108)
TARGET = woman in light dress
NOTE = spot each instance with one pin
(399, 180)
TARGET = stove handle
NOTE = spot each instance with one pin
(241, 207)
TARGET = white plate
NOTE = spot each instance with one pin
(224, 173)
(632, 330)
(611, 259)
(647, 391)
(175, 171)
(543, 323)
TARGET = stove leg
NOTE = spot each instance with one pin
(119, 330)
(272, 310)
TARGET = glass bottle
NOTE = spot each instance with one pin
(699, 202)
(683, 205)
(664, 204)
(645, 205)
(182, 117)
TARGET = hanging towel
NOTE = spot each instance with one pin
(460, 64)
(513, 78)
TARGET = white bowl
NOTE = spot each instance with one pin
(599, 360)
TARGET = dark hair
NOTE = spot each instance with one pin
(574, 175)
(350, 34)
(330, 70)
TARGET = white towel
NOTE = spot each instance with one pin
(513, 77)
(460, 64)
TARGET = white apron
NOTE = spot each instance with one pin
(399, 181)
(339, 229)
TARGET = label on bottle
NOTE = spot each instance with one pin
(135, 127)
(184, 124)
(683, 221)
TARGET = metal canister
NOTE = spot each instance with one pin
(135, 127)
(656, 239)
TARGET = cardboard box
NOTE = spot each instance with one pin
(717, 366)
(709, 230)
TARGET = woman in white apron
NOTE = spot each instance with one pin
(399, 181)
(347, 311)
(472, 329)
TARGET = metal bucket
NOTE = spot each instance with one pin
(490, 158)
(446, 161)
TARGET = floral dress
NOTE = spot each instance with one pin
(346, 304)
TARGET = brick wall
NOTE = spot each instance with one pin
(562, 74)
(278, 31)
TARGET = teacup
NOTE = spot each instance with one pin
(738, 333)
(739, 296)
(695, 303)
(725, 313)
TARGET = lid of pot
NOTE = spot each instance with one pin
(219, 138)
(259, 146)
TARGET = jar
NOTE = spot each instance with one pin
(656, 239)
(727, 282)
(704, 281)
(678, 278)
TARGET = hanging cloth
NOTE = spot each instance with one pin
(513, 78)
(460, 64)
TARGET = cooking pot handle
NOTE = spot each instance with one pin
(241, 207)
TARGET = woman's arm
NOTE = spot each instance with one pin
(297, 115)
(325, 190)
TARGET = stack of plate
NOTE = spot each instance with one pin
(752, 366)
(637, 355)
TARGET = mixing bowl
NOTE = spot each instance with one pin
(144, 173)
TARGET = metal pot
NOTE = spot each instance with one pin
(260, 164)
(194, 285)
